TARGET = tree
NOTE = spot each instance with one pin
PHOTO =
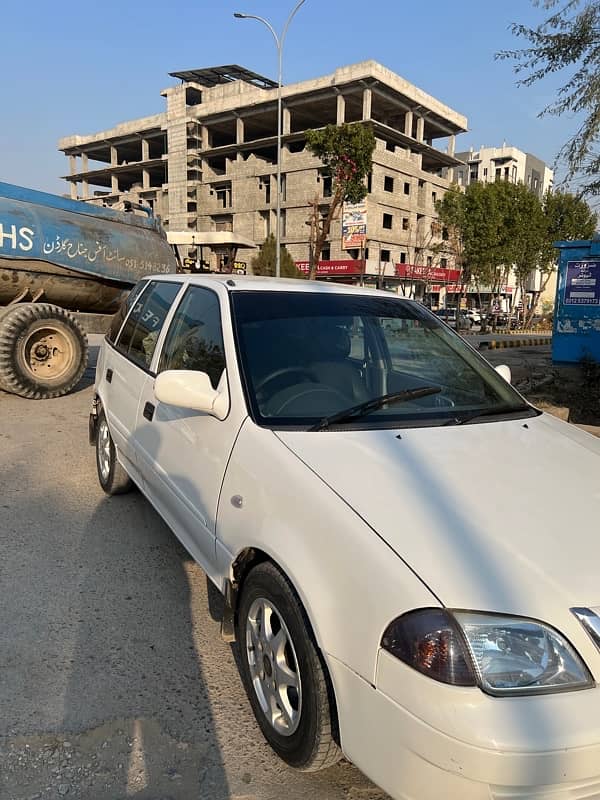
(264, 262)
(568, 39)
(567, 217)
(502, 226)
(529, 229)
(347, 154)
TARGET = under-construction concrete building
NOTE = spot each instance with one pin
(208, 162)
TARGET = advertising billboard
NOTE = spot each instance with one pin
(354, 225)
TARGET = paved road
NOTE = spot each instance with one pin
(114, 682)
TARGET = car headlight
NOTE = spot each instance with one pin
(503, 655)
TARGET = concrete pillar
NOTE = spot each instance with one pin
(420, 128)
(367, 97)
(84, 162)
(114, 184)
(239, 130)
(286, 121)
(113, 156)
(204, 137)
(341, 109)
(72, 165)
(451, 145)
(408, 123)
(73, 187)
(145, 150)
(145, 178)
(85, 190)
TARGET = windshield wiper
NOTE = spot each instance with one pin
(362, 409)
(487, 412)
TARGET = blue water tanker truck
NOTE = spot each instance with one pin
(63, 262)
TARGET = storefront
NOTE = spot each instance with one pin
(470, 297)
(425, 283)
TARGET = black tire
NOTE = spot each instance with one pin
(43, 351)
(311, 744)
(112, 477)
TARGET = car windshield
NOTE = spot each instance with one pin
(307, 356)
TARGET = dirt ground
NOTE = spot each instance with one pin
(571, 392)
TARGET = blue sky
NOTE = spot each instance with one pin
(72, 67)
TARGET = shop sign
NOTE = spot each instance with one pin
(415, 272)
(351, 266)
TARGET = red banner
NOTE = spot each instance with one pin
(416, 272)
(352, 266)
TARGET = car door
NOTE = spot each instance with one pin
(127, 361)
(183, 453)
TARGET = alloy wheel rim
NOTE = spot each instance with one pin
(273, 666)
(104, 456)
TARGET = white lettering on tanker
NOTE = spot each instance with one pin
(18, 238)
(107, 254)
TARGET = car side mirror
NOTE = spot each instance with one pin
(504, 371)
(191, 389)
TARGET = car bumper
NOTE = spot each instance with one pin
(450, 742)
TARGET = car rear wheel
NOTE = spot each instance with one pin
(113, 478)
(283, 672)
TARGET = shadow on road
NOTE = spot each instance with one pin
(99, 653)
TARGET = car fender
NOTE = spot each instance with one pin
(350, 582)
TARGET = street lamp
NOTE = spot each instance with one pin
(279, 40)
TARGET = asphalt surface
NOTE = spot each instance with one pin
(114, 682)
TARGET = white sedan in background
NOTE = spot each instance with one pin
(409, 552)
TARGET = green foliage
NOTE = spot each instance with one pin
(568, 39)
(347, 154)
(504, 225)
(568, 218)
(264, 262)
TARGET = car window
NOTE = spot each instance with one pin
(302, 361)
(119, 317)
(195, 339)
(140, 333)
(414, 348)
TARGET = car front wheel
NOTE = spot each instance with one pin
(283, 672)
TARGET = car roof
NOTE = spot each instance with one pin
(254, 283)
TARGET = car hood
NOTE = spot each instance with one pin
(495, 516)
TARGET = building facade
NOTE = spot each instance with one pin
(208, 163)
(504, 163)
(507, 163)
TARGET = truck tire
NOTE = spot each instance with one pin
(43, 351)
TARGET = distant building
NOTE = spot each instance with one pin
(505, 163)
(208, 163)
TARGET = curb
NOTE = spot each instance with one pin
(534, 341)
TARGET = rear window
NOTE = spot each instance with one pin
(140, 333)
(119, 318)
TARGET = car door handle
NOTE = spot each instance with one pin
(109, 374)
(148, 411)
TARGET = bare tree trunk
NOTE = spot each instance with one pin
(323, 227)
(537, 295)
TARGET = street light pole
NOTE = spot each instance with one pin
(279, 41)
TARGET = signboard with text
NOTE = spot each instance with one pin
(417, 272)
(456, 288)
(352, 266)
(354, 225)
(582, 284)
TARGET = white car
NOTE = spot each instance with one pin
(409, 552)
(474, 315)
